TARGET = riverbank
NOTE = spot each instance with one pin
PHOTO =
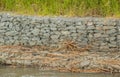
(60, 59)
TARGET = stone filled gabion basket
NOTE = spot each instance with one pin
(102, 33)
(60, 59)
(33, 41)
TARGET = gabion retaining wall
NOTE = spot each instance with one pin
(101, 33)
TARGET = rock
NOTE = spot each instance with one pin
(65, 32)
(118, 36)
(35, 31)
(90, 23)
(79, 23)
(19, 62)
(2, 24)
(110, 22)
(73, 31)
(81, 27)
(54, 36)
(70, 28)
(91, 27)
(90, 35)
(54, 28)
(115, 67)
(11, 33)
(46, 20)
(85, 63)
(97, 35)
(8, 62)
(1, 40)
(111, 31)
(17, 27)
(32, 43)
(17, 42)
(54, 64)
(27, 62)
(109, 27)
(10, 26)
(112, 45)
(112, 38)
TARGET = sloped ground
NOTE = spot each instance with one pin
(67, 58)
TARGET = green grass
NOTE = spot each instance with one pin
(105, 8)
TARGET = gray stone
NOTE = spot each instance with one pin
(97, 35)
(90, 23)
(118, 43)
(65, 32)
(11, 33)
(27, 62)
(112, 38)
(111, 31)
(35, 39)
(81, 27)
(53, 29)
(10, 25)
(17, 42)
(112, 45)
(17, 28)
(84, 63)
(91, 27)
(57, 33)
(103, 44)
(110, 22)
(24, 37)
(90, 35)
(74, 34)
(2, 31)
(109, 27)
(54, 36)
(8, 62)
(71, 28)
(105, 35)
(46, 20)
(1, 40)
(32, 43)
(73, 31)
(35, 31)
(5, 19)
(79, 23)
(99, 27)
(2, 24)
(47, 35)
(118, 37)
(81, 31)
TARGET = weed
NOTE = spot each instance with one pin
(63, 7)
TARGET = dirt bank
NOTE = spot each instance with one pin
(62, 60)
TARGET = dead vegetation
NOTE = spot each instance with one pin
(70, 46)
(110, 65)
(68, 51)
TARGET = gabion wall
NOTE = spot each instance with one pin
(103, 34)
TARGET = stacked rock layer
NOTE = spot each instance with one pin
(103, 34)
